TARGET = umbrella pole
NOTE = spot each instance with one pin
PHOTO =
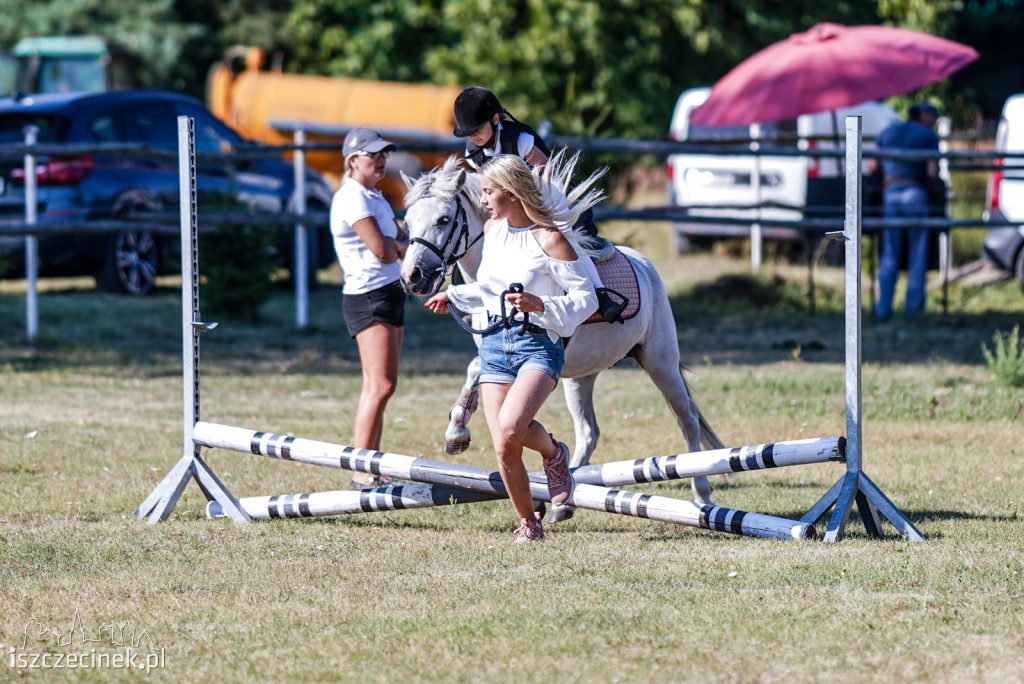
(835, 137)
(855, 484)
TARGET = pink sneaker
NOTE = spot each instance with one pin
(529, 531)
(560, 482)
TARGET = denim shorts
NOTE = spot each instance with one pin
(386, 304)
(504, 353)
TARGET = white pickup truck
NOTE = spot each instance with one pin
(791, 187)
(1004, 246)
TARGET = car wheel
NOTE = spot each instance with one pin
(131, 258)
(130, 261)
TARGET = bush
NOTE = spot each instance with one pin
(237, 266)
(1006, 363)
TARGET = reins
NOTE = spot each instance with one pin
(505, 321)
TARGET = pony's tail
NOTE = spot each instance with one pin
(708, 437)
(553, 181)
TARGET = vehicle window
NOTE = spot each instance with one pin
(104, 127)
(709, 133)
(212, 135)
(780, 131)
(71, 74)
(12, 128)
(774, 130)
(152, 123)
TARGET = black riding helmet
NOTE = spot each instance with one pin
(474, 107)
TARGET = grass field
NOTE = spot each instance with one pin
(90, 420)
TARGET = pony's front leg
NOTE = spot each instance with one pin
(579, 397)
(456, 436)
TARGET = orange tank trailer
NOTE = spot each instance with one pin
(254, 99)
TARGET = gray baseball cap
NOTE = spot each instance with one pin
(366, 140)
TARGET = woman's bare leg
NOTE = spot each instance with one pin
(510, 411)
(379, 348)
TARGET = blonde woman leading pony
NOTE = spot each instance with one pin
(528, 266)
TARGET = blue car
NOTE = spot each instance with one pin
(97, 187)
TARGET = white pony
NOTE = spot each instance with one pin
(445, 220)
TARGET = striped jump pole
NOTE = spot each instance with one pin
(714, 462)
(480, 480)
(395, 497)
(615, 474)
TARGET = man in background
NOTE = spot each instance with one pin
(906, 197)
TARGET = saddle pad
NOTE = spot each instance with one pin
(617, 274)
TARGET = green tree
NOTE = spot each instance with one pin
(371, 39)
(262, 23)
(592, 67)
(994, 28)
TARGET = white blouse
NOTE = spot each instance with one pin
(513, 255)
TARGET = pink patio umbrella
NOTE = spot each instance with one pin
(828, 67)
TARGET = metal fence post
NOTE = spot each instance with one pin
(302, 265)
(756, 238)
(31, 241)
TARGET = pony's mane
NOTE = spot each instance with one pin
(441, 182)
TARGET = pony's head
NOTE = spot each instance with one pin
(443, 216)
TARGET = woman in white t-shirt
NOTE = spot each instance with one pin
(524, 245)
(370, 245)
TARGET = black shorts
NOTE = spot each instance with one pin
(386, 304)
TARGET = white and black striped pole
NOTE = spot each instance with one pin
(319, 504)
(714, 462)
(587, 496)
(615, 474)
(422, 495)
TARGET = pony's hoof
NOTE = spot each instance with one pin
(539, 509)
(560, 514)
(456, 447)
(456, 442)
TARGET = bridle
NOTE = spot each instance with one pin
(458, 233)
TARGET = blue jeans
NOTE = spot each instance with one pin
(905, 200)
(504, 353)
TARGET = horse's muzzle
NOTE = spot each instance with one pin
(422, 283)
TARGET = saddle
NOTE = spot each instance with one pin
(619, 299)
